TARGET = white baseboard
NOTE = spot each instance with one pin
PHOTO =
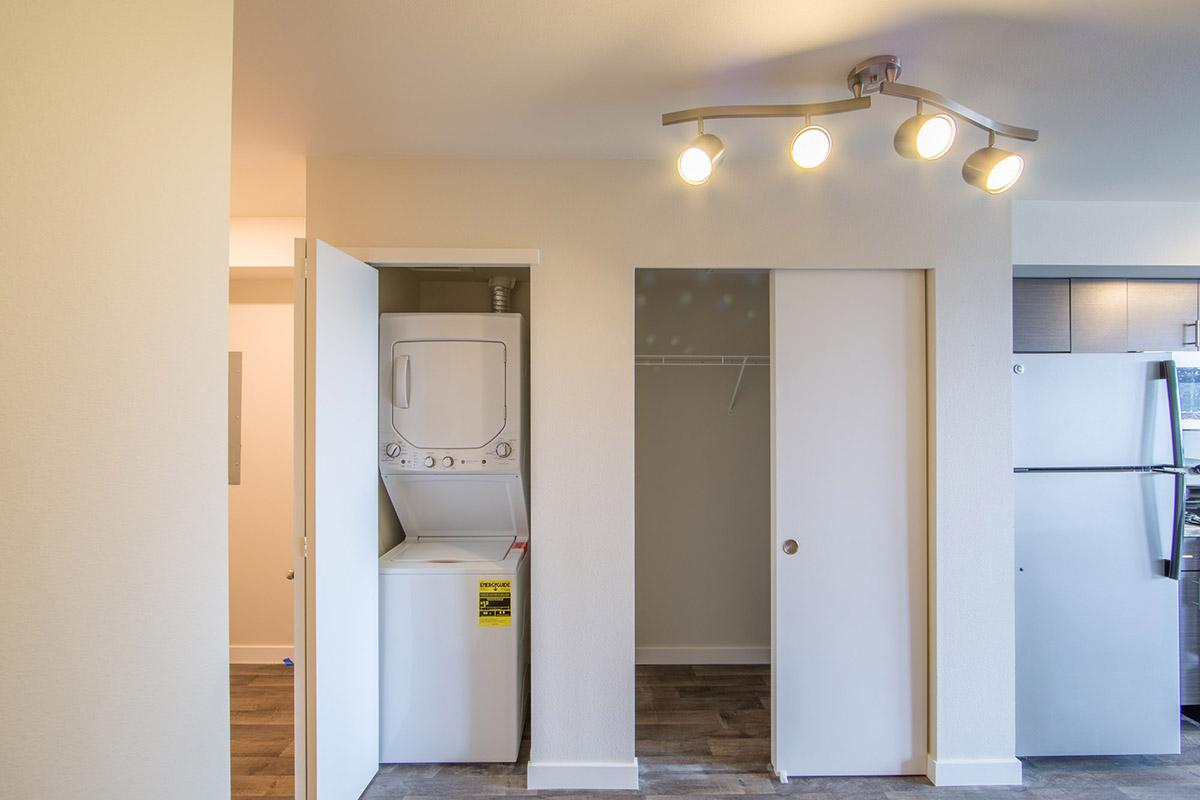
(974, 771)
(259, 653)
(597, 775)
(704, 655)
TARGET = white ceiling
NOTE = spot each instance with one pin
(1109, 84)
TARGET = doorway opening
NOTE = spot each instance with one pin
(781, 513)
(703, 522)
(416, 559)
(261, 576)
(454, 491)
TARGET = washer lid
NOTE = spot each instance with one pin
(448, 551)
(458, 556)
(457, 506)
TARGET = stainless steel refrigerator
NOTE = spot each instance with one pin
(1099, 500)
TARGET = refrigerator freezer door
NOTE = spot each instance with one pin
(1097, 623)
(1090, 410)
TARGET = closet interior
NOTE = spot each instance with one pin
(702, 459)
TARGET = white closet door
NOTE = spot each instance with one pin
(341, 518)
(849, 615)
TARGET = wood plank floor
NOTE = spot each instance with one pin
(704, 731)
(260, 730)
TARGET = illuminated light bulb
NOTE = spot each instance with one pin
(993, 170)
(811, 146)
(925, 136)
(698, 160)
(1005, 173)
(936, 137)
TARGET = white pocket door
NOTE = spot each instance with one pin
(849, 523)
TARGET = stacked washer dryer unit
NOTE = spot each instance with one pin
(454, 595)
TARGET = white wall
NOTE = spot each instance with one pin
(260, 507)
(115, 136)
(1118, 234)
(594, 222)
(703, 475)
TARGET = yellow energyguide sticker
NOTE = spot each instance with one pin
(495, 602)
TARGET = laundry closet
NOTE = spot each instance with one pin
(703, 468)
(416, 535)
(454, 530)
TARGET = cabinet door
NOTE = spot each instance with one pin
(1041, 315)
(1099, 315)
(1158, 314)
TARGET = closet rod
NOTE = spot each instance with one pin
(741, 360)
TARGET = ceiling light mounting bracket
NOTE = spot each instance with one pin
(868, 76)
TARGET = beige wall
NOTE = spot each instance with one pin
(263, 242)
(594, 222)
(114, 186)
(703, 475)
(260, 507)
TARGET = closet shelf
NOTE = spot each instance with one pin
(647, 360)
(741, 361)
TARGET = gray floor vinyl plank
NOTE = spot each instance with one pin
(702, 732)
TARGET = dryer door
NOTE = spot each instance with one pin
(448, 394)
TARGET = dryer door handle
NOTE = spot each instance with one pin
(401, 381)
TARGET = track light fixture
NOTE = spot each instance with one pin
(810, 146)
(992, 169)
(698, 160)
(925, 137)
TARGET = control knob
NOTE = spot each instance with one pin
(504, 449)
(429, 462)
(447, 461)
(392, 450)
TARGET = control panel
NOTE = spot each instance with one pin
(399, 456)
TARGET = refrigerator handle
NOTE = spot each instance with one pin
(1171, 376)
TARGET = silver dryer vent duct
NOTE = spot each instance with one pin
(501, 294)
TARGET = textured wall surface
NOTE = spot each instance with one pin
(595, 221)
(114, 234)
(1122, 234)
(264, 241)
